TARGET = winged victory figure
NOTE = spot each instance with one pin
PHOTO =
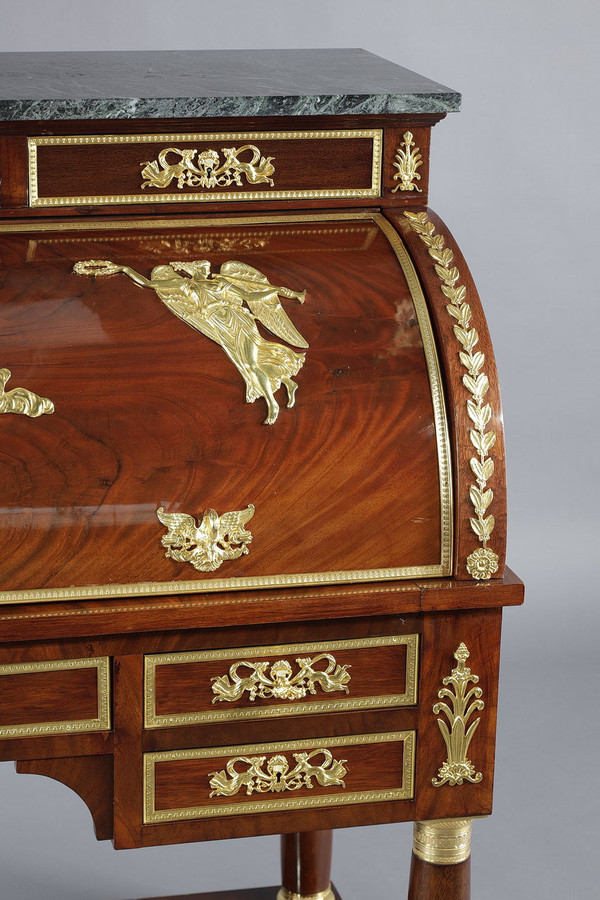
(207, 545)
(225, 307)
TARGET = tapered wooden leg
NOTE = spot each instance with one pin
(306, 866)
(441, 860)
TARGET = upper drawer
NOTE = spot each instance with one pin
(229, 166)
(287, 679)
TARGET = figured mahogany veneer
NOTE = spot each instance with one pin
(183, 688)
(306, 164)
(148, 413)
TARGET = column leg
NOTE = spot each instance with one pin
(306, 866)
(441, 863)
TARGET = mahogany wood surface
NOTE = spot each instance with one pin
(306, 861)
(48, 696)
(457, 394)
(128, 728)
(184, 783)
(55, 621)
(55, 746)
(149, 412)
(300, 164)
(392, 194)
(91, 777)
(14, 158)
(433, 882)
(442, 635)
(292, 728)
(189, 688)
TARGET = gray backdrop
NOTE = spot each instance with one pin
(515, 176)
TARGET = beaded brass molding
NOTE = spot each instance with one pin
(407, 162)
(457, 768)
(444, 842)
(374, 190)
(482, 563)
(299, 707)
(75, 726)
(22, 401)
(405, 792)
(443, 568)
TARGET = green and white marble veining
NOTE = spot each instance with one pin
(204, 83)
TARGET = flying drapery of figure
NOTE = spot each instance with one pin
(224, 307)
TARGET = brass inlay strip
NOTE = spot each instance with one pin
(284, 894)
(100, 723)
(408, 698)
(375, 134)
(444, 842)
(406, 792)
(443, 568)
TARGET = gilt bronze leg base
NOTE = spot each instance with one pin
(441, 860)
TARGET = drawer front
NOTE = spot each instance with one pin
(55, 697)
(322, 772)
(287, 679)
(176, 168)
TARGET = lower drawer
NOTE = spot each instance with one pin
(321, 772)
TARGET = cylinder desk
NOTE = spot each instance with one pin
(253, 500)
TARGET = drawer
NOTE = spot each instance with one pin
(224, 167)
(286, 679)
(322, 772)
(54, 697)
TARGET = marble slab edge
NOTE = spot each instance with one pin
(228, 107)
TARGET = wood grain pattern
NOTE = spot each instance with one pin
(46, 697)
(306, 861)
(184, 783)
(442, 634)
(14, 196)
(149, 413)
(302, 164)
(187, 688)
(432, 882)
(128, 726)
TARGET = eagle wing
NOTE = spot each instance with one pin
(267, 310)
(182, 528)
(232, 524)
